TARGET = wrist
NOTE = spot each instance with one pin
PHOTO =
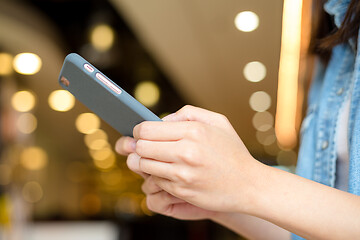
(254, 188)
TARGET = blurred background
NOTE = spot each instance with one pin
(60, 177)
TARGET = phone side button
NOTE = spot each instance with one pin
(104, 80)
(88, 67)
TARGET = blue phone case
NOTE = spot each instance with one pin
(102, 96)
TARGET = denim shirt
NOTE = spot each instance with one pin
(331, 83)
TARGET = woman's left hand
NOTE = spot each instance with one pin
(197, 156)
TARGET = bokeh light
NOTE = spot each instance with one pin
(266, 138)
(263, 121)
(61, 100)
(27, 63)
(33, 158)
(23, 101)
(26, 123)
(246, 21)
(5, 64)
(104, 160)
(254, 71)
(260, 101)
(87, 123)
(32, 192)
(148, 93)
(102, 37)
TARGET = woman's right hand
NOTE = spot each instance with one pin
(157, 199)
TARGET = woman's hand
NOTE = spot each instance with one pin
(196, 155)
(157, 199)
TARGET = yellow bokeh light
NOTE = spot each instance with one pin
(246, 21)
(27, 63)
(33, 158)
(112, 178)
(102, 37)
(26, 123)
(148, 93)
(32, 192)
(23, 101)
(61, 100)
(105, 163)
(96, 140)
(87, 123)
(5, 64)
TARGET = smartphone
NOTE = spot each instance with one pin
(102, 96)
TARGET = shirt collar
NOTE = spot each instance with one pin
(337, 9)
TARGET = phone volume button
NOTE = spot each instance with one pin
(88, 67)
(109, 84)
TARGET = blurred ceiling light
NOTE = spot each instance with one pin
(87, 123)
(27, 63)
(263, 121)
(61, 100)
(246, 21)
(254, 71)
(26, 123)
(23, 101)
(5, 64)
(32, 192)
(285, 124)
(102, 37)
(33, 158)
(148, 93)
(260, 101)
(90, 204)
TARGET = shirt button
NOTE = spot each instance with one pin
(340, 91)
(324, 145)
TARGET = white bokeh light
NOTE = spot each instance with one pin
(260, 101)
(246, 21)
(254, 71)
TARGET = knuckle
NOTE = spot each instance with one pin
(185, 176)
(196, 130)
(141, 130)
(223, 118)
(189, 155)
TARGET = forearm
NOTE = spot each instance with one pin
(307, 208)
(251, 227)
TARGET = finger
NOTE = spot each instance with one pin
(125, 145)
(133, 163)
(160, 131)
(156, 168)
(150, 187)
(191, 113)
(162, 202)
(165, 184)
(161, 151)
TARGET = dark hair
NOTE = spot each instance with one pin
(325, 35)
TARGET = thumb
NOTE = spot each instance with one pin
(191, 113)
